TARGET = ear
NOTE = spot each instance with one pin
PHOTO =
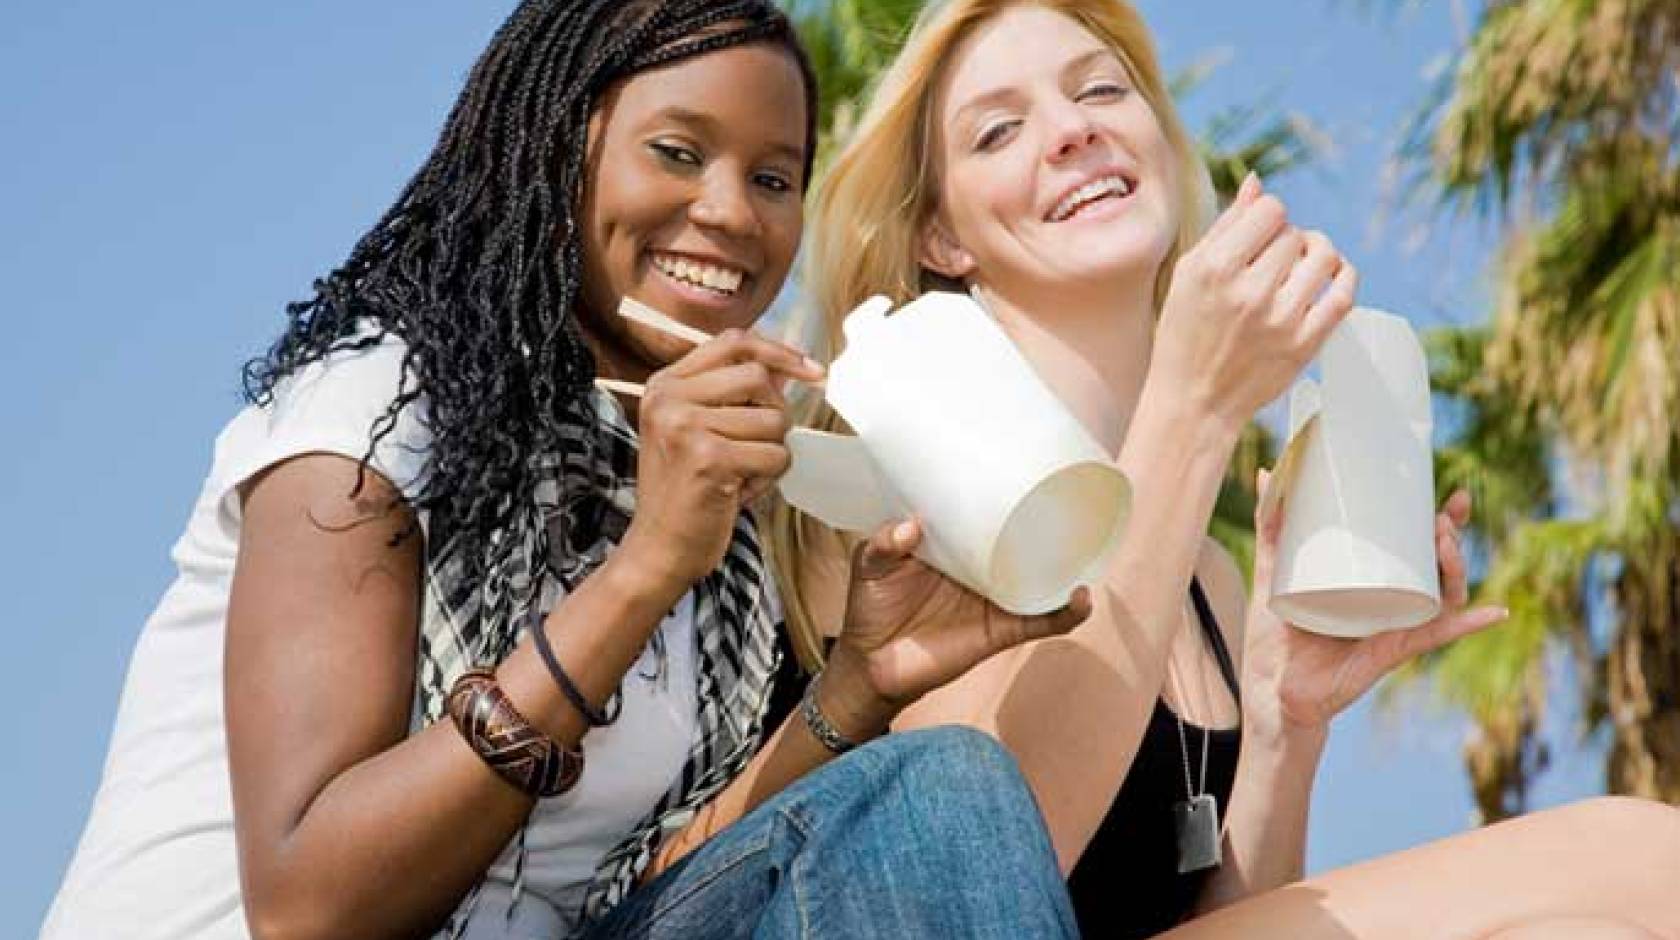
(942, 255)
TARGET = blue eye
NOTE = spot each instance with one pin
(994, 134)
(1103, 90)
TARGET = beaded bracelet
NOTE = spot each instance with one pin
(523, 756)
(821, 728)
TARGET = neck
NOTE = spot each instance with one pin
(614, 359)
(1093, 352)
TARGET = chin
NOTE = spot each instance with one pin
(1115, 266)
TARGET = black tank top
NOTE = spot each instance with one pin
(1127, 883)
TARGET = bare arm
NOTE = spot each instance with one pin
(345, 825)
(1266, 814)
(1241, 319)
(905, 630)
(1294, 683)
(1113, 664)
(1266, 834)
(791, 752)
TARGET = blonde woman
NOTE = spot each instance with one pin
(1028, 153)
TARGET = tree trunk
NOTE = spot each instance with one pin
(1643, 673)
(1503, 757)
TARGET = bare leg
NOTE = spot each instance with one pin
(1611, 858)
(1574, 928)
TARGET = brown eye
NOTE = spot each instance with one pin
(773, 182)
(671, 153)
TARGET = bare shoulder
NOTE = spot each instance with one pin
(1227, 591)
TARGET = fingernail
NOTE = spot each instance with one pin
(815, 366)
(1250, 185)
(904, 532)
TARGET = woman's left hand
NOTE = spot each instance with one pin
(1295, 681)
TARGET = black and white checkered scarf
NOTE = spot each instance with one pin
(583, 507)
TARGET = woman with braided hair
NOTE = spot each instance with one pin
(463, 645)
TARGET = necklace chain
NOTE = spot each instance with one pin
(1178, 716)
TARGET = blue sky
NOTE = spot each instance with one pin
(177, 172)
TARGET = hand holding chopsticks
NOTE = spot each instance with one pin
(636, 311)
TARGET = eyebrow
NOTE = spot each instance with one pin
(1077, 64)
(711, 126)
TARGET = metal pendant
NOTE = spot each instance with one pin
(1197, 823)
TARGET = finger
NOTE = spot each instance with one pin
(756, 488)
(754, 460)
(1279, 258)
(743, 423)
(741, 346)
(1332, 306)
(1455, 585)
(1251, 188)
(1075, 612)
(745, 383)
(1004, 630)
(1457, 507)
(1253, 230)
(887, 548)
(1246, 193)
(1268, 506)
(1268, 529)
(1310, 277)
(1437, 633)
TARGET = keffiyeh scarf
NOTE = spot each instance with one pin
(583, 507)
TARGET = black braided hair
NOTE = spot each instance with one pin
(477, 265)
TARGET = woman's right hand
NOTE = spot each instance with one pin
(711, 426)
(1249, 305)
(909, 629)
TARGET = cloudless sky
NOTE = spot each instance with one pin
(174, 173)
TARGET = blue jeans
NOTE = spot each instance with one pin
(922, 834)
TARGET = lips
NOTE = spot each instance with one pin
(1111, 184)
(719, 277)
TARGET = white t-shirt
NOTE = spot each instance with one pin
(157, 859)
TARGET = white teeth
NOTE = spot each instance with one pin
(710, 276)
(1090, 192)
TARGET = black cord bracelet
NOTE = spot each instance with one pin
(596, 717)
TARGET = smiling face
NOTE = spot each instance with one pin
(1054, 173)
(693, 203)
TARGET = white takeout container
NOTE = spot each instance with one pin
(1016, 500)
(1357, 552)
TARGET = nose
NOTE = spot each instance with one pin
(723, 204)
(1070, 131)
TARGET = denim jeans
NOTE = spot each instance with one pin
(922, 834)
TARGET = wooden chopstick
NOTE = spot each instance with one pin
(622, 388)
(631, 309)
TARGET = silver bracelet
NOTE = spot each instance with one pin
(825, 732)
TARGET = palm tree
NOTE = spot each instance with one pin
(1561, 121)
(852, 41)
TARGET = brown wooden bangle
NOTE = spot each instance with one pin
(525, 757)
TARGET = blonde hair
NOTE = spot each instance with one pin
(881, 192)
